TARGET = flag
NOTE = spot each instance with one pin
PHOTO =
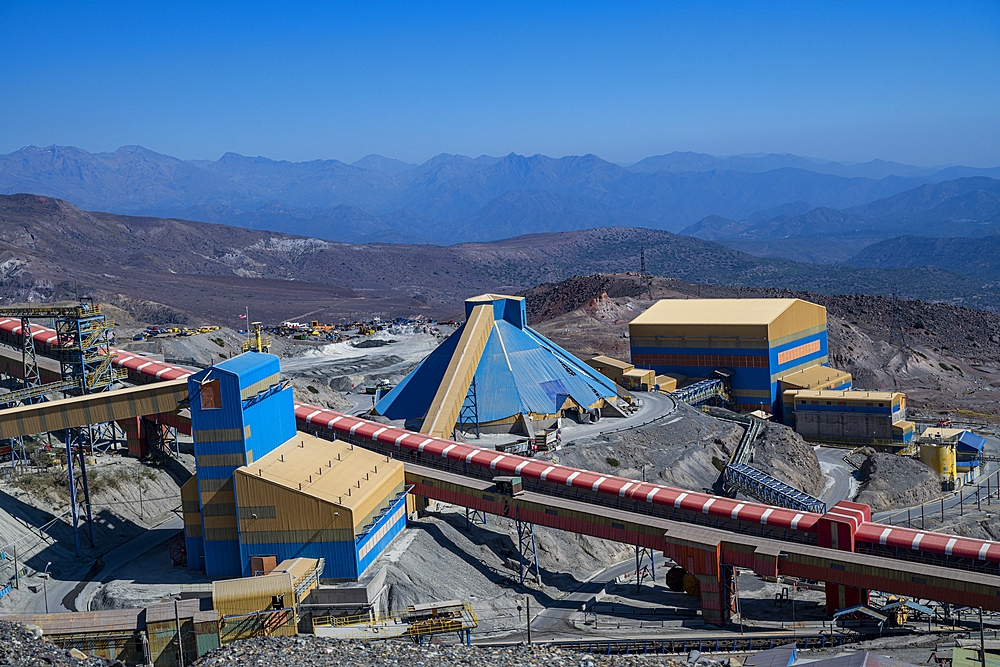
(243, 317)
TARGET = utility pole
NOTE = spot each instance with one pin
(527, 615)
(180, 643)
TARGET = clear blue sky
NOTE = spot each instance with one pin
(915, 82)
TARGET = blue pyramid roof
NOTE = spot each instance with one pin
(520, 371)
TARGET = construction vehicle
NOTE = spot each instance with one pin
(508, 486)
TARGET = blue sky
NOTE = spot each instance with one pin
(912, 82)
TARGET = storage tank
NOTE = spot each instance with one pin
(941, 458)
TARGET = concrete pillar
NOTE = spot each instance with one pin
(135, 437)
(703, 559)
(836, 530)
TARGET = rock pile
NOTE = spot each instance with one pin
(281, 651)
(21, 647)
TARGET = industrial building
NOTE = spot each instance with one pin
(496, 374)
(264, 490)
(623, 373)
(754, 342)
(851, 416)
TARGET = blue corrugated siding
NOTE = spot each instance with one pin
(195, 547)
(341, 557)
(394, 530)
(497, 395)
(970, 442)
(271, 422)
(815, 356)
(580, 368)
(222, 558)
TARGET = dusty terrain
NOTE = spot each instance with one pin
(686, 453)
(945, 359)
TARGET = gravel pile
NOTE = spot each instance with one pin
(783, 454)
(19, 647)
(281, 651)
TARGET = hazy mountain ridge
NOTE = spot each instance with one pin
(977, 258)
(961, 207)
(446, 188)
(49, 247)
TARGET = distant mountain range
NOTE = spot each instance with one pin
(963, 207)
(452, 198)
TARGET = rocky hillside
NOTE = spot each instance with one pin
(946, 359)
(51, 250)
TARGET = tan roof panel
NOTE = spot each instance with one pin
(714, 311)
(325, 469)
(830, 394)
(609, 361)
(815, 376)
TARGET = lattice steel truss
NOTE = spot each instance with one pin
(645, 566)
(469, 413)
(526, 547)
(85, 336)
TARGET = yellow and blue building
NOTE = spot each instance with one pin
(753, 342)
(262, 489)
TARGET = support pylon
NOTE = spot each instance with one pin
(526, 543)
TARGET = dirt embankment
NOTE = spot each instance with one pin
(891, 482)
(783, 454)
(689, 453)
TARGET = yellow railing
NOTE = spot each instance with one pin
(449, 619)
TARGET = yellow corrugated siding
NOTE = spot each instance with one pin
(796, 319)
(92, 409)
(235, 597)
(451, 393)
(293, 510)
(724, 322)
(312, 464)
(850, 396)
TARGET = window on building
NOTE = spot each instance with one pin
(211, 395)
(841, 403)
(829, 403)
(881, 405)
(868, 405)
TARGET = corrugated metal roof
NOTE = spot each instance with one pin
(849, 395)
(815, 376)
(519, 372)
(609, 361)
(311, 465)
(298, 567)
(714, 311)
(970, 439)
(233, 597)
(247, 362)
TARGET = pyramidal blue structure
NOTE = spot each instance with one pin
(498, 374)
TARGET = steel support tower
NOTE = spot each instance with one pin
(526, 547)
(84, 338)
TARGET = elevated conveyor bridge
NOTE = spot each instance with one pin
(864, 548)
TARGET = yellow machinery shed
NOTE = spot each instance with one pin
(320, 499)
